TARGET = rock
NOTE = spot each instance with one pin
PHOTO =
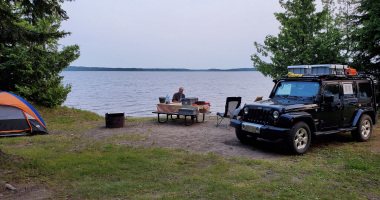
(10, 187)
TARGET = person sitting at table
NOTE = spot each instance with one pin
(177, 97)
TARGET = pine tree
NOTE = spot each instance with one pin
(306, 37)
(345, 22)
(367, 36)
(30, 61)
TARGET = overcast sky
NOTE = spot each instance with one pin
(193, 34)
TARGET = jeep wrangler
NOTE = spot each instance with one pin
(299, 107)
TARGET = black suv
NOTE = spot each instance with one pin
(301, 106)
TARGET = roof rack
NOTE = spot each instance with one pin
(326, 72)
(331, 77)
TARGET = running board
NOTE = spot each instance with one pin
(341, 130)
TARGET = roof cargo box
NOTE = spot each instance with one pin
(300, 69)
(323, 69)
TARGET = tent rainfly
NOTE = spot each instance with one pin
(18, 117)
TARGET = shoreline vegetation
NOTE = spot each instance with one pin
(70, 164)
(80, 68)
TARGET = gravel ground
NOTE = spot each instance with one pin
(206, 137)
(202, 138)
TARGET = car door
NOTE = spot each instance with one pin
(350, 102)
(330, 115)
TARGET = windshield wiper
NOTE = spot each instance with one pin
(282, 96)
(295, 97)
(301, 98)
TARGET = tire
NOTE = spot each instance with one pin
(299, 138)
(364, 129)
(244, 137)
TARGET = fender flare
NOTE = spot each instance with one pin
(299, 116)
(357, 117)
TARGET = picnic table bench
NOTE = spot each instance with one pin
(192, 117)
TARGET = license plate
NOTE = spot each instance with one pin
(251, 127)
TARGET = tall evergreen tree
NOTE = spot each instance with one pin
(345, 22)
(367, 36)
(30, 61)
(306, 37)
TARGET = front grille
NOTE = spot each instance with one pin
(259, 116)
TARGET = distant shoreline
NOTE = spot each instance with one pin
(76, 68)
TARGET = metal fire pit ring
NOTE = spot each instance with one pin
(115, 120)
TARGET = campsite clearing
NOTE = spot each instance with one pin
(81, 159)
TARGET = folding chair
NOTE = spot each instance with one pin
(232, 103)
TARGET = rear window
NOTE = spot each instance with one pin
(365, 90)
(349, 90)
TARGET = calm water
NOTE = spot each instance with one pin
(136, 93)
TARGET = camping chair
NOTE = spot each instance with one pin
(232, 103)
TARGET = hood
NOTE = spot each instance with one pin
(285, 104)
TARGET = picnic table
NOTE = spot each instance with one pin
(173, 109)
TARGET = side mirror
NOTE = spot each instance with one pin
(328, 98)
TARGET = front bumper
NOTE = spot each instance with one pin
(262, 131)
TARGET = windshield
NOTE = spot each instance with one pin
(302, 90)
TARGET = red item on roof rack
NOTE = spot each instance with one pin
(350, 71)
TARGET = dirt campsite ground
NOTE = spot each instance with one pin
(206, 137)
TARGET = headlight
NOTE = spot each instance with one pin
(276, 114)
(246, 109)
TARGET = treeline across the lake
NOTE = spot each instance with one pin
(76, 68)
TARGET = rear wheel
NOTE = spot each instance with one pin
(299, 139)
(244, 137)
(364, 129)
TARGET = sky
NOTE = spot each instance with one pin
(191, 34)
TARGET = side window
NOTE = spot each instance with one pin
(349, 90)
(332, 89)
(365, 90)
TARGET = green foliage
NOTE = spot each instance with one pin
(306, 37)
(68, 119)
(346, 9)
(367, 36)
(30, 62)
(348, 33)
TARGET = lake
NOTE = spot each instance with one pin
(137, 93)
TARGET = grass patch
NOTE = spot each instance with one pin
(65, 119)
(75, 167)
(104, 170)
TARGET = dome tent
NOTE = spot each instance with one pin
(18, 117)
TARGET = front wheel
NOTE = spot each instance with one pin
(244, 137)
(299, 139)
(364, 129)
